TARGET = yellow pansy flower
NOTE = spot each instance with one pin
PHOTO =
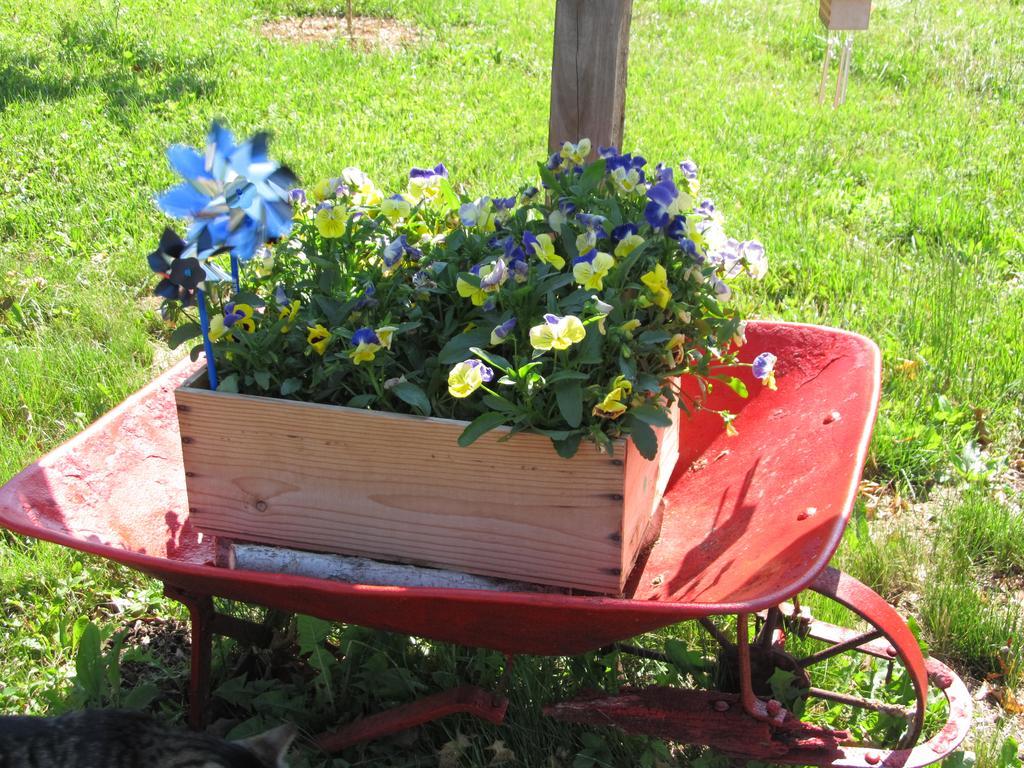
(331, 220)
(576, 153)
(627, 245)
(612, 407)
(467, 377)
(657, 283)
(288, 314)
(318, 338)
(322, 190)
(557, 332)
(395, 209)
(543, 248)
(591, 270)
(236, 316)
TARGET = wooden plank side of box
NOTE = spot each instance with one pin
(397, 487)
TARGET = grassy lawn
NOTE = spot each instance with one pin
(899, 216)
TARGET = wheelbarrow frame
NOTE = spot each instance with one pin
(749, 523)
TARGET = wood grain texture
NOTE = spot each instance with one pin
(588, 72)
(845, 14)
(397, 487)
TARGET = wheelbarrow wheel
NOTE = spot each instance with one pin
(874, 649)
(744, 718)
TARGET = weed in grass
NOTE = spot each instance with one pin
(888, 561)
(979, 629)
(985, 532)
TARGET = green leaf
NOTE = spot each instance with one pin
(651, 414)
(262, 379)
(290, 386)
(141, 696)
(410, 393)
(547, 176)
(564, 375)
(89, 661)
(654, 337)
(1008, 754)
(644, 439)
(567, 447)
(228, 384)
(569, 395)
(457, 349)
(683, 658)
(448, 196)
(248, 297)
(481, 425)
(569, 242)
(592, 176)
(183, 333)
(361, 401)
(737, 386)
(590, 348)
(489, 357)
(195, 352)
(499, 404)
(627, 366)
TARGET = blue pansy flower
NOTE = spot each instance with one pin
(554, 161)
(623, 231)
(501, 332)
(235, 192)
(689, 169)
(515, 257)
(665, 203)
(494, 278)
(367, 299)
(763, 366)
(396, 249)
(364, 336)
(593, 222)
(607, 152)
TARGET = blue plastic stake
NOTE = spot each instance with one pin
(204, 323)
(234, 272)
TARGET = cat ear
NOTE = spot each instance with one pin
(271, 746)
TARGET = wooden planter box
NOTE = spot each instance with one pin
(397, 487)
(845, 14)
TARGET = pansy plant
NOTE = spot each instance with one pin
(570, 307)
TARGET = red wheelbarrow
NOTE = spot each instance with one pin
(749, 523)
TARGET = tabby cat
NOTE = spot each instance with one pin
(103, 738)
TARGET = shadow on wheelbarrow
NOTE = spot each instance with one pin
(749, 522)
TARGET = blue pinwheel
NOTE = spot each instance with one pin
(235, 193)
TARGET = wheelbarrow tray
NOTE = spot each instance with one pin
(749, 520)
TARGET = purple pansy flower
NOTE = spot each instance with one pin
(365, 336)
(593, 222)
(623, 231)
(501, 332)
(396, 249)
(495, 277)
(367, 299)
(763, 366)
(689, 169)
(486, 374)
(438, 171)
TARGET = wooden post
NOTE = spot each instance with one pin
(588, 72)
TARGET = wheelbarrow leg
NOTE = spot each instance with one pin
(205, 623)
(201, 614)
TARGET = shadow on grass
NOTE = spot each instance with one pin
(92, 55)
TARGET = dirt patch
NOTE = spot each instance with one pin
(367, 32)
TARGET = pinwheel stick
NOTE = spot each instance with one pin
(234, 273)
(204, 324)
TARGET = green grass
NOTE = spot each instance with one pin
(900, 216)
